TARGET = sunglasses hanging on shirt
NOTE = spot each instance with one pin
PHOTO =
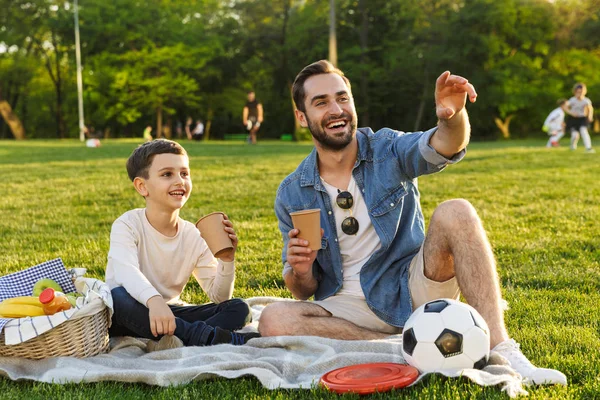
(345, 201)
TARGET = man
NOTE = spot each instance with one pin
(198, 132)
(376, 265)
(252, 116)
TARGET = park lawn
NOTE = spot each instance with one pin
(539, 206)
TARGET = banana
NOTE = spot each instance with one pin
(27, 300)
(20, 310)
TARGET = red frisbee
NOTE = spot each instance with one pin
(369, 378)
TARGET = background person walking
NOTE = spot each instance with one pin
(252, 116)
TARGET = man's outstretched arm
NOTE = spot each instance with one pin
(454, 130)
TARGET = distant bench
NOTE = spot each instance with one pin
(235, 136)
(244, 136)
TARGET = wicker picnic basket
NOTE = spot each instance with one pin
(81, 337)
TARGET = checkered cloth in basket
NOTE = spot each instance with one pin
(96, 298)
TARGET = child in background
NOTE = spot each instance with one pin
(153, 253)
(581, 113)
(148, 133)
(554, 125)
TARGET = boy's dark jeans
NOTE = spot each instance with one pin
(194, 324)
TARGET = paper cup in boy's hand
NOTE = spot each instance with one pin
(212, 229)
(308, 222)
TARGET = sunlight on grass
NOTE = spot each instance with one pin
(540, 208)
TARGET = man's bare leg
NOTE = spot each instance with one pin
(307, 319)
(456, 244)
(253, 132)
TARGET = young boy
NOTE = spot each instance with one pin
(554, 125)
(153, 252)
(581, 113)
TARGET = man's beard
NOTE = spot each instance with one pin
(334, 143)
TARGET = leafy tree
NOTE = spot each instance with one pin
(165, 60)
(41, 26)
(15, 74)
(148, 79)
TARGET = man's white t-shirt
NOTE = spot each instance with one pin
(355, 249)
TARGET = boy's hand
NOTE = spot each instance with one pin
(299, 255)
(228, 227)
(162, 320)
(451, 93)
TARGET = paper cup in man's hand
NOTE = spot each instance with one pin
(308, 222)
(213, 231)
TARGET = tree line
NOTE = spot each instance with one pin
(158, 62)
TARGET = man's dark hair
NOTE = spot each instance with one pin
(316, 68)
(139, 162)
(560, 102)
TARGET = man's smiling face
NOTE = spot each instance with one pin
(330, 113)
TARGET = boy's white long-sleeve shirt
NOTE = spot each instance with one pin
(147, 263)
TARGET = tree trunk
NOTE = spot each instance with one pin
(58, 114)
(209, 118)
(159, 121)
(12, 120)
(364, 59)
(297, 127)
(596, 125)
(332, 35)
(56, 80)
(283, 81)
(503, 126)
(60, 121)
(423, 101)
(167, 129)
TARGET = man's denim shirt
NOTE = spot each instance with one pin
(386, 171)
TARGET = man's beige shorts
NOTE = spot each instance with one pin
(422, 290)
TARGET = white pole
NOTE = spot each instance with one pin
(332, 36)
(79, 78)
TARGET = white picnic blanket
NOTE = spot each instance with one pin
(277, 362)
(96, 297)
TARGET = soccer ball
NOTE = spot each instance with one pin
(445, 334)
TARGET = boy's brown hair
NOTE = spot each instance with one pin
(139, 162)
(316, 68)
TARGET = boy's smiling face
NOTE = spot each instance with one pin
(169, 183)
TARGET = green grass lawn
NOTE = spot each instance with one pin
(540, 208)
